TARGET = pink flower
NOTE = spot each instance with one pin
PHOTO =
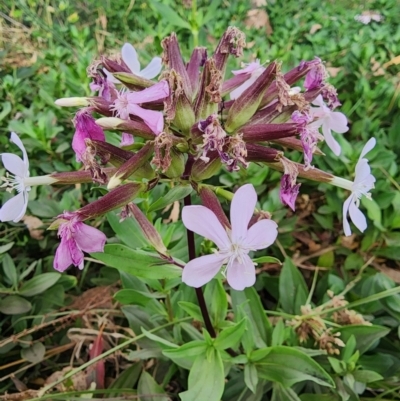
(289, 189)
(329, 121)
(254, 70)
(127, 139)
(85, 128)
(233, 245)
(128, 103)
(76, 238)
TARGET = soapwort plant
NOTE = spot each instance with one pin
(177, 132)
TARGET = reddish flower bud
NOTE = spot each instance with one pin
(197, 60)
(268, 132)
(210, 200)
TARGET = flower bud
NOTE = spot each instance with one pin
(248, 102)
(114, 199)
(295, 144)
(97, 103)
(177, 165)
(260, 153)
(210, 200)
(78, 177)
(232, 42)
(172, 57)
(133, 81)
(132, 126)
(131, 165)
(268, 132)
(210, 91)
(197, 60)
(148, 229)
(202, 170)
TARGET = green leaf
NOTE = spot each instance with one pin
(128, 231)
(259, 327)
(191, 309)
(5, 248)
(217, 302)
(278, 335)
(373, 211)
(251, 377)
(164, 344)
(126, 379)
(267, 259)
(366, 376)
(34, 353)
(5, 109)
(231, 336)
(186, 354)
(365, 336)
(206, 378)
(39, 284)
(280, 393)
(138, 263)
(289, 366)
(168, 14)
(14, 305)
(9, 270)
(135, 297)
(176, 193)
(293, 290)
(349, 349)
(149, 389)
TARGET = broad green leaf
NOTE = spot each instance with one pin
(170, 15)
(231, 336)
(5, 109)
(217, 302)
(175, 194)
(206, 378)
(191, 309)
(320, 397)
(136, 262)
(365, 336)
(14, 305)
(366, 376)
(39, 284)
(251, 376)
(278, 335)
(128, 231)
(34, 353)
(186, 354)
(258, 326)
(289, 366)
(9, 270)
(149, 389)
(280, 393)
(164, 344)
(5, 248)
(134, 297)
(293, 290)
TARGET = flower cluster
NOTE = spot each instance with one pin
(182, 128)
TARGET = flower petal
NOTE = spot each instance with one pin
(156, 92)
(152, 70)
(153, 119)
(110, 77)
(357, 217)
(330, 140)
(15, 139)
(242, 208)
(62, 258)
(363, 172)
(204, 222)
(346, 225)
(250, 68)
(127, 139)
(368, 147)
(75, 252)
(14, 164)
(130, 57)
(15, 208)
(261, 235)
(88, 238)
(239, 90)
(338, 122)
(241, 275)
(201, 270)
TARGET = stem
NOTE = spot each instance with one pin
(200, 296)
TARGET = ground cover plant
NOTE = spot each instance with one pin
(234, 229)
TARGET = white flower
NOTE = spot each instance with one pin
(363, 182)
(254, 70)
(233, 245)
(328, 120)
(130, 58)
(15, 208)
